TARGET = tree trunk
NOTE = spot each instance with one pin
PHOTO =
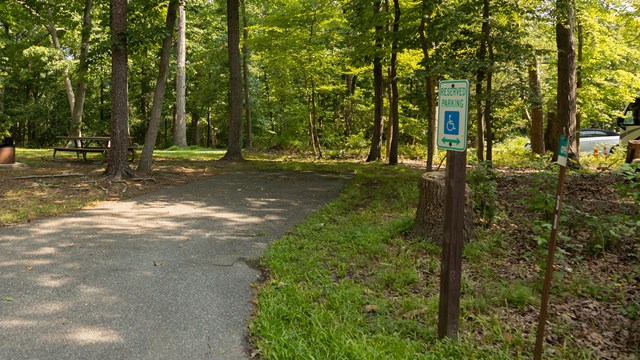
(579, 84)
(350, 82)
(388, 129)
(118, 166)
(395, 129)
(68, 87)
(234, 147)
(83, 69)
(488, 109)
(378, 89)
(245, 75)
(431, 120)
(535, 99)
(430, 211)
(430, 93)
(566, 101)
(195, 116)
(552, 134)
(180, 125)
(314, 139)
(481, 73)
(151, 136)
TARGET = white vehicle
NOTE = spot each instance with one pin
(604, 140)
(629, 122)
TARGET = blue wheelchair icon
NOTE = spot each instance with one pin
(451, 122)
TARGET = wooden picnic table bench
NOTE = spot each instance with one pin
(83, 145)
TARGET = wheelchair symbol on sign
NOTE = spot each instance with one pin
(452, 122)
(451, 127)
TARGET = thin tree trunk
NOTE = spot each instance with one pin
(395, 132)
(151, 136)
(488, 114)
(118, 166)
(579, 83)
(245, 76)
(180, 124)
(209, 128)
(481, 73)
(196, 128)
(313, 122)
(350, 82)
(430, 93)
(378, 88)
(388, 129)
(234, 147)
(83, 69)
(566, 101)
(68, 87)
(537, 115)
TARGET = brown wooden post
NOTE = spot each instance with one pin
(537, 355)
(453, 236)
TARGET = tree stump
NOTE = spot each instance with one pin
(7, 154)
(430, 212)
(633, 151)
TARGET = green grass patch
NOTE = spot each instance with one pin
(351, 283)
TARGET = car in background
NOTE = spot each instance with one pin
(604, 140)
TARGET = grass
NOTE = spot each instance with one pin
(352, 283)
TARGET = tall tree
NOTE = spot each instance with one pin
(566, 95)
(118, 166)
(378, 86)
(245, 76)
(158, 96)
(488, 107)
(537, 116)
(180, 124)
(83, 70)
(234, 147)
(75, 99)
(427, 44)
(395, 129)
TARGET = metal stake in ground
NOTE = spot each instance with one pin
(453, 236)
(562, 161)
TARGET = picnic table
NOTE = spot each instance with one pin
(83, 145)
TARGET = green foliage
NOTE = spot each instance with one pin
(482, 181)
(630, 186)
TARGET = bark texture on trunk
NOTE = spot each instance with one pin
(430, 91)
(83, 69)
(118, 166)
(430, 211)
(180, 124)
(378, 90)
(234, 147)
(395, 122)
(566, 101)
(537, 115)
(151, 136)
(245, 77)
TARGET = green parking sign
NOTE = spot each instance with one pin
(453, 112)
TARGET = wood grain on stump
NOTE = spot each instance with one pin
(430, 212)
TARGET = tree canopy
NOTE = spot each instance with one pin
(310, 75)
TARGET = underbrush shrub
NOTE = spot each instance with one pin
(484, 190)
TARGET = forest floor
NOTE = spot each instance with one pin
(595, 307)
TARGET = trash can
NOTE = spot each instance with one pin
(7, 151)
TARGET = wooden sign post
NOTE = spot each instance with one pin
(453, 112)
(562, 161)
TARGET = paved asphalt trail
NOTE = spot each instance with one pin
(161, 276)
